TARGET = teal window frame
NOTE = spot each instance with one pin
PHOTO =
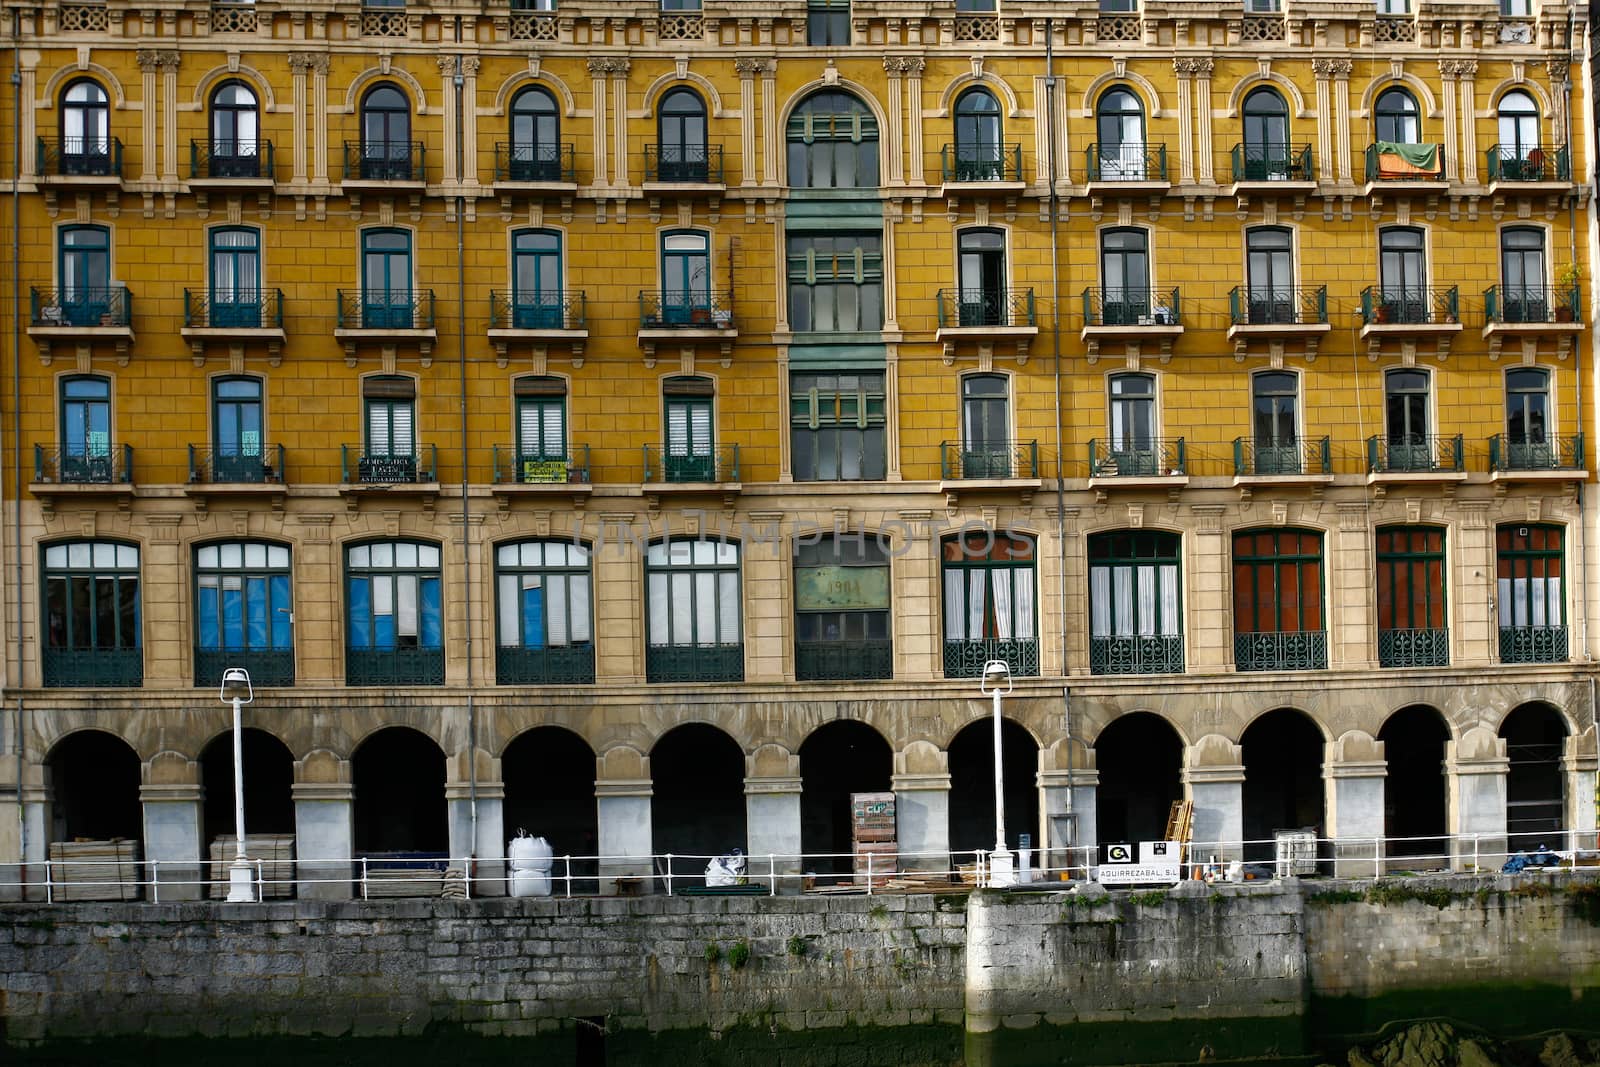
(85, 271)
(685, 276)
(1261, 587)
(1275, 420)
(1269, 269)
(832, 140)
(387, 257)
(85, 128)
(1135, 584)
(1411, 560)
(562, 614)
(536, 280)
(542, 421)
(381, 436)
(244, 608)
(85, 427)
(235, 130)
(680, 575)
(689, 422)
(388, 573)
(1124, 275)
(1528, 419)
(1524, 560)
(827, 23)
(838, 425)
(90, 596)
(386, 133)
(535, 131)
(238, 422)
(835, 281)
(971, 568)
(234, 266)
(681, 134)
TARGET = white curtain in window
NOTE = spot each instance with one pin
(510, 619)
(728, 608)
(1506, 599)
(1122, 579)
(660, 633)
(954, 619)
(1024, 595)
(580, 609)
(555, 608)
(1147, 601)
(975, 591)
(682, 609)
(405, 624)
(1169, 600)
(1536, 602)
(1002, 605)
(1100, 602)
(705, 608)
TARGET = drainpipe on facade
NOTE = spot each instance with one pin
(1581, 547)
(466, 498)
(16, 420)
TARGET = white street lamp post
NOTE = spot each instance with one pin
(236, 690)
(996, 684)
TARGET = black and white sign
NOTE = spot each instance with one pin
(1160, 863)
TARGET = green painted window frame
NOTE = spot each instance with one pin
(977, 554)
(391, 405)
(827, 23)
(1517, 398)
(96, 578)
(420, 571)
(90, 446)
(662, 561)
(853, 550)
(1285, 553)
(1411, 558)
(835, 262)
(1134, 552)
(844, 405)
(541, 408)
(532, 559)
(816, 141)
(1515, 564)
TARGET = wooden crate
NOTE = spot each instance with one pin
(885, 863)
(872, 817)
(95, 870)
(276, 853)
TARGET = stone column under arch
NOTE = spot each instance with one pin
(1354, 769)
(324, 826)
(489, 848)
(170, 794)
(921, 784)
(772, 812)
(1477, 766)
(1213, 776)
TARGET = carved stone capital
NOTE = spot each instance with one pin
(1458, 68)
(616, 66)
(903, 65)
(308, 62)
(1331, 68)
(447, 65)
(151, 59)
(750, 66)
(1194, 66)
(1558, 67)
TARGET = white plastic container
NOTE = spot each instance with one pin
(531, 859)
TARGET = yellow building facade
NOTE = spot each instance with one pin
(643, 426)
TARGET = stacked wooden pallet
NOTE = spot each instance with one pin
(872, 828)
(402, 874)
(275, 853)
(95, 870)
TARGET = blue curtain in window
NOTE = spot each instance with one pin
(256, 606)
(533, 617)
(430, 636)
(360, 612)
(208, 620)
(232, 616)
(280, 624)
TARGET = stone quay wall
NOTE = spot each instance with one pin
(991, 961)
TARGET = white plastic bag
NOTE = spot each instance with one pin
(726, 870)
(531, 859)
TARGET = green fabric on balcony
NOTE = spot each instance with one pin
(1399, 160)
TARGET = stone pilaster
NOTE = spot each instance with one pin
(1184, 69)
(893, 142)
(1350, 619)
(922, 820)
(30, 130)
(1213, 778)
(772, 812)
(1210, 644)
(598, 70)
(916, 595)
(1354, 769)
(171, 795)
(1448, 71)
(1339, 71)
(1477, 767)
(150, 63)
(324, 826)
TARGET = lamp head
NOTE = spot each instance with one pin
(236, 686)
(996, 677)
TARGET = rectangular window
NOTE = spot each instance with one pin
(836, 282)
(1529, 594)
(837, 427)
(828, 22)
(1394, 7)
(1119, 6)
(1516, 8)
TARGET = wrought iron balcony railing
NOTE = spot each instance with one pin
(547, 309)
(267, 666)
(385, 309)
(1272, 162)
(394, 666)
(108, 306)
(687, 164)
(1289, 306)
(1253, 458)
(1126, 162)
(254, 465)
(231, 159)
(715, 464)
(385, 161)
(965, 659)
(1415, 452)
(1550, 452)
(686, 309)
(84, 464)
(981, 162)
(985, 307)
(360, 466)
(245, 310)
(1131, 307)
(1509, 163)
(78, 157)
(92, 667)
(534, 163)
(515, 466)
(1531, 304)
(551, 665)
(1533, 644)
(1136, 654)
(988, 459)
(834, 661)
(1298, 650)
(1150, 458)
(1414, 648)
(694, 663)
(1399, 306)
(1385, 164)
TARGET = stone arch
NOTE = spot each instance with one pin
(240, 72)
(1547, 104)
(1140, 757)
(1143, 87)
(856, 89)
(1308, 715)
(52, 88)
(623, 762)
(961, 83)
(672, 80)
(921, 757)
(772, 761)
(971, 766)
(523, 80)
(1419, 88)
(363, 81)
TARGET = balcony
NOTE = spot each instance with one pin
(1152, 463)
(81, 317)
(1528, 171)
(694, 663)
(79, 160)
(1136, 654)
(840, 661)
(1126, 168)
(985, 315)
(388, 317)
(672, 316)
(240, 471)
(981, 168)
(551, 665)
(1299, 650)
(1287, 463)
(1550, 458)
(378, 164)
(88, 473)
(1414, 648)
(1405, 167)
(1533, 644)
(1131, 315)
(683, 168)
(1276, 316)
(231, 164)
(1273, 168)
(535, 168)
(1415, 459)
(1412, 315)
(236, 317)
(712, 470)
(267, 666)
(381, 474)
(394, 666)
(989, 467)
(537, 473)
(1525, 315)
(92, 668)
(538, 317)
(966, 659)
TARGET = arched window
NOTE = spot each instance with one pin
(1120, 153)
(386, 149)
(979, 153)
(1269, 252)
(681, 153)
(85, 129)
(1403, 275)
(535, 151)
(537, 301)
(234, 132)
(244, 612)
(1522, 276)
(1124, 277)
(1266, 136)
(91, 614)
(694, 615)
(833, 143)
(87, 297)
(237, 451)
(981, 259)
(989, 605)
(1135, 603)
(394, 614)
(387, 298)
(544, 630)
(1397, 118)
(235, 277)
(1518, 153)
(86, 452)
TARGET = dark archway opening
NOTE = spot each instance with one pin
(1283, 787)
(697, 807)
(400, 817)
(838, 759)
(972, 786)
(1414, 818)
(1535, 736)
(1140, 759)
(268, 786)
(549, 774)
(94, 789)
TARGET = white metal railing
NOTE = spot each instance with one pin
(872, 873)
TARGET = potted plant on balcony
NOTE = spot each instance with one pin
(1566, 299)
